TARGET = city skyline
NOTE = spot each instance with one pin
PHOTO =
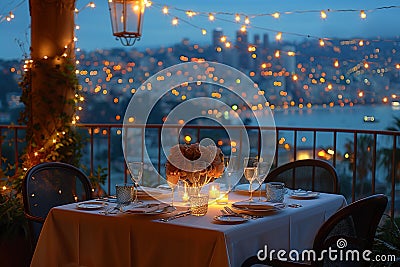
(297, 21)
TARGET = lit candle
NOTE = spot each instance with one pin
(214, 191)
(185, 197)
(223, 198)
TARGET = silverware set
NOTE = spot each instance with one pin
(176, 216)
(228, 210)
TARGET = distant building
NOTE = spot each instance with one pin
(257, 40)
(216, 37)
(289, 58)
(217, 44)
(265, 41)
(242, 45)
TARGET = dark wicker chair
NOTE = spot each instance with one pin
(51, 184)
(351, 228)
(307, 174)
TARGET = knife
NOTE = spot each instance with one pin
(176, 216)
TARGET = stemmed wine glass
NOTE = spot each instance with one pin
(200, 174)
(136, 169)
(172, 183)
(231, 169)
(262, 170)
(250, 173)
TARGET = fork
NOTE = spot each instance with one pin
(230, 211)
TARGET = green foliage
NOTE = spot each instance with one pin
(57, 140)
(12, 218)
(98, 178)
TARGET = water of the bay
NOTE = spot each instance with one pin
(338, 117)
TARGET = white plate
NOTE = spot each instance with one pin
(165, 210)
(257, 206)
(250, 211)
(91, 205)
(230, 219)
(244, 188)
(257, 209)
(304, 195)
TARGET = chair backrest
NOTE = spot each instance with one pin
(351, 228)
(346, 235)
(307, 174)
(51, 184)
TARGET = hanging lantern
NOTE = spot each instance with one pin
(127, 20)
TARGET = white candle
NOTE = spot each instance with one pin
(185, 197)
(223, 198)
(214, 192)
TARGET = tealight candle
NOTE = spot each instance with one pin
(185, 197)
(223, 198)
(214, 191)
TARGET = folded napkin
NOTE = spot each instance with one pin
(257, 205)
(147, 208)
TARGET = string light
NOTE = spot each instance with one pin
(211, 17)
(323, 14)
(165, 10)
(276, 15)
(175, 21)
(363, 15)
(243, 28)
(203, 31)
(247, 20)
(190, 13)
(278, 36)
(321, 42)
(237, 18)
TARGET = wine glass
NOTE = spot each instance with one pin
(231, 169)
(136, 169)
(172, 184)
(262, 170)
(199, 168)
(250, 173)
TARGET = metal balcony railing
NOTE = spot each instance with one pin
(367, 161)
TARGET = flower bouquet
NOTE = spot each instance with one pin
(194, 164)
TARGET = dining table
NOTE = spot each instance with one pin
(76, 236)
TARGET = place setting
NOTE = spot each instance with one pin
(303, 194)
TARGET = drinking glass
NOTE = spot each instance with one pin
(136, 170)
(250, 173)
(172, 184)
(199, 168)
(262, 170)
(275, 192)
(231, 169)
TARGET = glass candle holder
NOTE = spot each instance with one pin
(199, 204)
(124, 193)
(185, 197)
(275, 192)
(223, 197)
(214, 191)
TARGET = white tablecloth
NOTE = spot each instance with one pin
(72, 237)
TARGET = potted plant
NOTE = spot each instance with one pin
(15, 248)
